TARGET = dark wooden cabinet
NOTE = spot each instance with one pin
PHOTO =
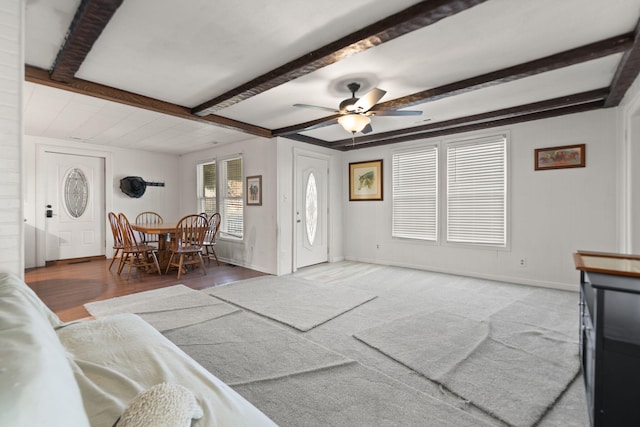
(610, 336)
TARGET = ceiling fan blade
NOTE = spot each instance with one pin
(396, 113)
(367, 129)
(315, 107)
(327, 122)
(303, 127)
(369, 100)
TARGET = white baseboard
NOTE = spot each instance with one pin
(243, 264)
(496, 277)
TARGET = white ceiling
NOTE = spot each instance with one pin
(186, 53)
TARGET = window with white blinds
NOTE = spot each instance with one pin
(207, 187)
(477, 191)
(415, 194)
(231, 198)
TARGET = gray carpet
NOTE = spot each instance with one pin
(509, 365)
(168, 308)
(329, 274)
(325, 376)
(299, 303)
(295, 381)
(351, 395)
(172, 297)
(242, 347)
(298, 382)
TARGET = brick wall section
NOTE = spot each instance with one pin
(11, 78)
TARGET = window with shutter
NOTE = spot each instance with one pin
(207, 182)
(477, 191)
(231, 197)
(415, 193)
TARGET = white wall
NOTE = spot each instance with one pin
(11, 70)
(268, 242)
(629, 167)
(257, 249)
(553, 213)
(119, 163)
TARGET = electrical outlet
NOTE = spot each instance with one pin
(377, 246)
(523, 262)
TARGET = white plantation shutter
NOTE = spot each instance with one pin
(476, 191)
(415, 194)
(207, 187)
(232, 197)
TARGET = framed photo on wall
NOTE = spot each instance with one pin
(568, 156)
(254, 190)
(365, 180)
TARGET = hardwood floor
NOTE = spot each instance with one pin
(65, 288)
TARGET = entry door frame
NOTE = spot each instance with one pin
(41, 189)
(297, 152)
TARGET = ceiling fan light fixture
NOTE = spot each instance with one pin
(354, 122)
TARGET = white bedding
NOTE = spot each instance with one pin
(37, 386)
(117, 357)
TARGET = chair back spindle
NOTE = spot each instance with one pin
(186, 245)
(118, 238)
(209, 242)
(135, 253)
(149, 217)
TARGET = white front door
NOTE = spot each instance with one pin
(311, 230)
(74, 211)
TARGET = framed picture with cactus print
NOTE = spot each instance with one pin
(365, 180)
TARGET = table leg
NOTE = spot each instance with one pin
(163, 251)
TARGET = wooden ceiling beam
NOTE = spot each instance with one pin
(309, 140)
(91, 17)
(313, 124)
(572, 109)
(550, 106)
(415, 17)
(563, 59)
(84, 87)
(626, 72)
(567, 58)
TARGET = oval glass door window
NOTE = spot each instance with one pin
(311, 208)
(76, 193)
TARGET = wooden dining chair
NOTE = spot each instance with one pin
(118, 239)
(135, 253)
(186, 243)
(149, 217)
(209, 242)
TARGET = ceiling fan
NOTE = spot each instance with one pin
(355, 113)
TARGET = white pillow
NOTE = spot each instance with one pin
(163, 405)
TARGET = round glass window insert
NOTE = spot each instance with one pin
(311, 208)
(76, 193)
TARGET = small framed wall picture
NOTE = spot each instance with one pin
(568, 156)
(254, 190)
(365, 180)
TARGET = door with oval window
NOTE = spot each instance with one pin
(74, 211)
(311, 210)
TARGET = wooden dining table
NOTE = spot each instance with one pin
(163, 230)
